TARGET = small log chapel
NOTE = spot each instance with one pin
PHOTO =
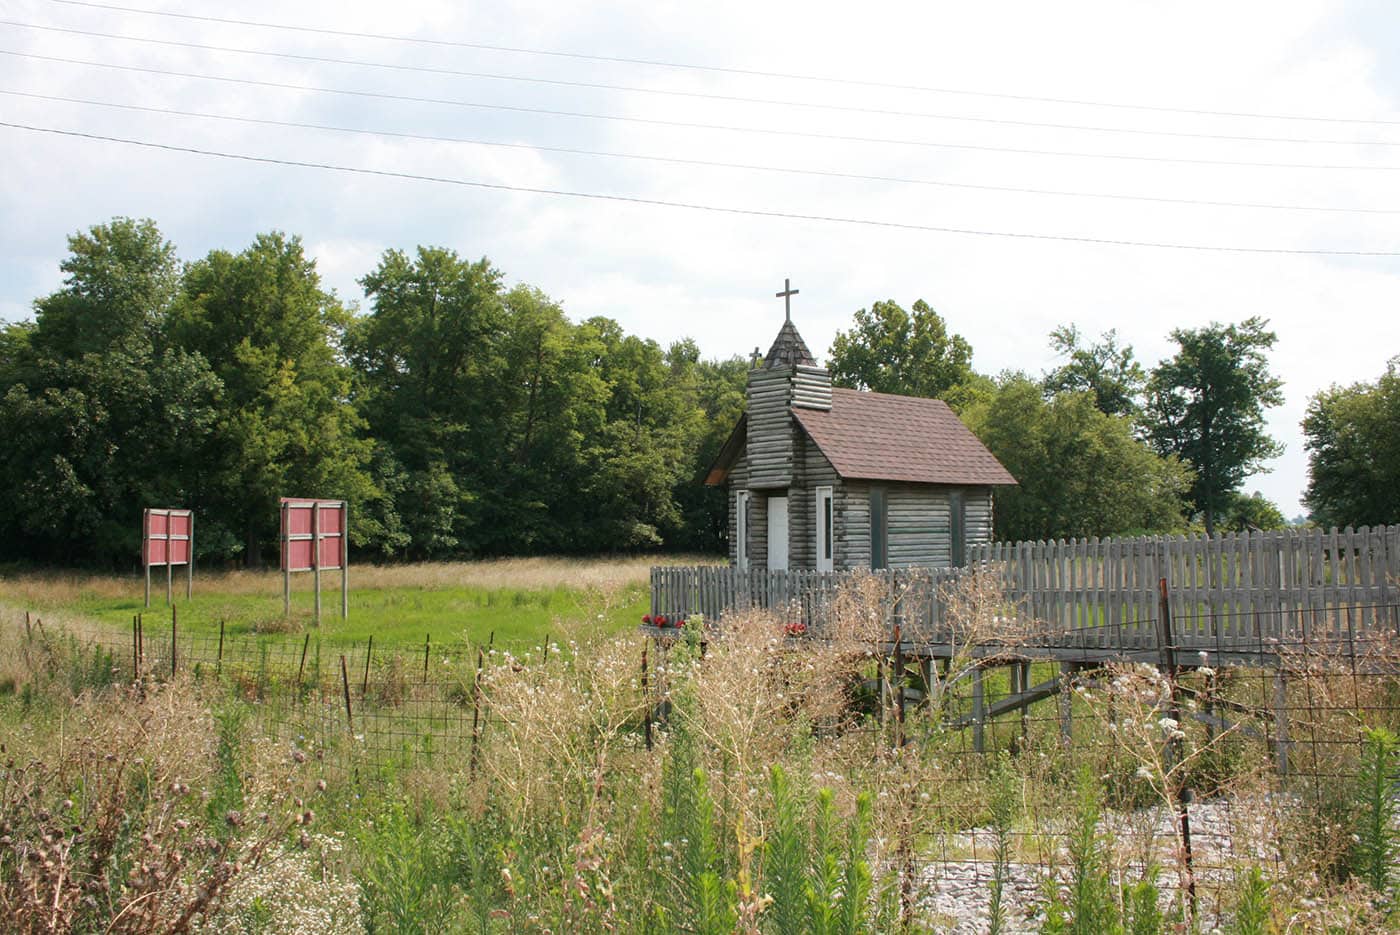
(829, 479)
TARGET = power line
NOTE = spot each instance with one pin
(657, 63)
(695, 95)
(690, 125)
(705, 163)
(695, 206)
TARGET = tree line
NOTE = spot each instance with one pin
(457, 416)
(462, 416)
(1102, 445)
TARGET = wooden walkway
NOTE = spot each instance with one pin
(1246, 598)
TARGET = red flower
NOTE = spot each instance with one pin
(660, 620)
(795, 629)
(646, 618)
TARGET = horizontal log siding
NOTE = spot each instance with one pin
(811, 388)
(978, 516)
(758, 530)
(769, 447)
(738, 480)
(813, 471)
(919, 533)
(853, 526)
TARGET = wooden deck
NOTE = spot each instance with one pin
(1248, 598)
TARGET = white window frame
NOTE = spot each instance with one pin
(826, 550)
(741, 530)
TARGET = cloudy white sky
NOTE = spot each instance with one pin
(667, 273)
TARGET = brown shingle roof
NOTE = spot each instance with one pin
(877, 436)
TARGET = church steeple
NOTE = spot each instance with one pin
(788, 350)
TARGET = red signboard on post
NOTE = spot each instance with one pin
(167, 538)
(314, 539)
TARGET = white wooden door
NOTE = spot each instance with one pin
(825, 526)
(777, 534)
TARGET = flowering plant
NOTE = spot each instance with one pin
(646, 618)
(795, 629)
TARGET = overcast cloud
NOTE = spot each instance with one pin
(668, 273)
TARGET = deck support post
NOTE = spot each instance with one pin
(1067, 670)
(1023, 686)
(979, 712)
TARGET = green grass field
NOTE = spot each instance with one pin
(521, 601)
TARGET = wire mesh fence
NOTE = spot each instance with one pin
(1202, 762)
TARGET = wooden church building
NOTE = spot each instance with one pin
(828, 479)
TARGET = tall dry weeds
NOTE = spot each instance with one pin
(104, 824)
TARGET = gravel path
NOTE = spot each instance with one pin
(1223, 834)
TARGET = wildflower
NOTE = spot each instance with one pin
(1144, 773)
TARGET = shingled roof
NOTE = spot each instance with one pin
(789, 350)
(878, 436)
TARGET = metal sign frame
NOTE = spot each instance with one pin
(315, 537)
(161, 544)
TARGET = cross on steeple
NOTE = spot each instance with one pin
(786, 295)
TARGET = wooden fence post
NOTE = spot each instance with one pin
(219, 663)
(172, 641)
(427, 647)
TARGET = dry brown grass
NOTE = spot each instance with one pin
(106, 826)
(53, 588)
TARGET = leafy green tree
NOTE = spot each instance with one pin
(1081, 472)
(286, 425)
(720, 394)
(1353, 442)
(1252, 512)
(550, 414)
(430, 371)
(102, 416)
(122, 278)
(646, 449)
(1106, 369)
(889, 350)
(1206, 406)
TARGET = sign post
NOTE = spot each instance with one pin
(314, 538)
(167, 538)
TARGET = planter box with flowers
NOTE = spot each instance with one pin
(663, 622)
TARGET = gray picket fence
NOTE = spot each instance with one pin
(1234, 592)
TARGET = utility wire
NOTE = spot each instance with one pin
(695, 206)
(695, 95)
(683, 124)
(706, 163)
(657, 63)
